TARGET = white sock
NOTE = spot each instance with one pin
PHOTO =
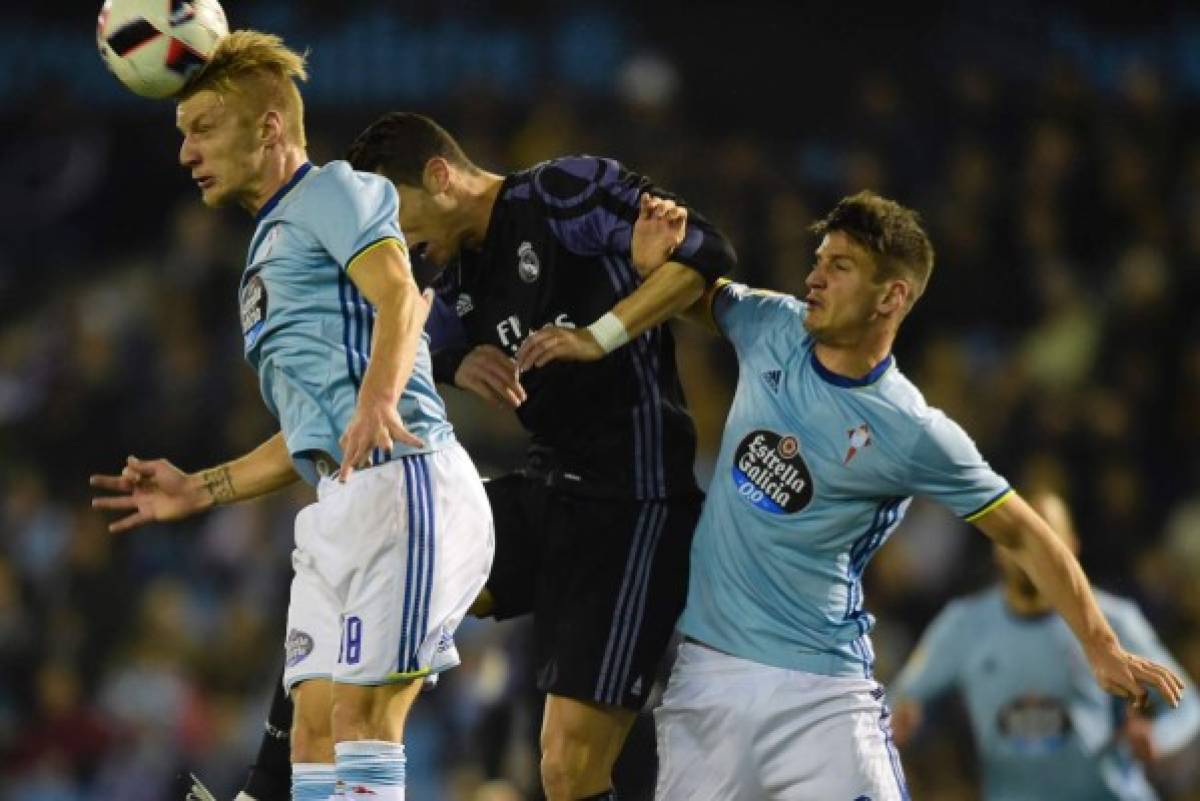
(312, 781)
(371, 770)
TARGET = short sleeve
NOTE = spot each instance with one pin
(744, 315)
(353, 211)
(947, 467)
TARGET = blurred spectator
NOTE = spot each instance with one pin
(1062, 193)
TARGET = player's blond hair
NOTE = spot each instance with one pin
(259, 68)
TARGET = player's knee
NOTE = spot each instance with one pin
(572, 766)
(312, 740)
(312, 736)
(353, 717)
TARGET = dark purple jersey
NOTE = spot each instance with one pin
(557, 252)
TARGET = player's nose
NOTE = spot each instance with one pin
(188, 157)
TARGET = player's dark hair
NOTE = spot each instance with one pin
(892, 233)
(400, 143)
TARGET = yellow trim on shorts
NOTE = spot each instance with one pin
(377, 243)
(412, 674)
(991, 506)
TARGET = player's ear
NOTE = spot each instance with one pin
(436, 177)
(895, 297)
(270, 130)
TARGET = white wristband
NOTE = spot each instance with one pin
(609, 332)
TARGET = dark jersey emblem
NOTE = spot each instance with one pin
(529, 267)
(769, 472)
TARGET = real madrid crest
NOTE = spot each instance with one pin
(529, 267)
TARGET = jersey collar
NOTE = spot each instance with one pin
(270, 205)
(845, 381)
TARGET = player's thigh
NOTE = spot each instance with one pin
(372, 712)
(512, 583)
(824, 737)
(612, 588)
(311, 645)
(416, 544)
(703, 730)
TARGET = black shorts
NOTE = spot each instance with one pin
(605, 579)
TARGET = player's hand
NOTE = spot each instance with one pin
(153, 491)
(376, 424)
(1131, 677)
(1139, 733)
(660, 228)
(492, 375)
(906, 719)
(552, 343)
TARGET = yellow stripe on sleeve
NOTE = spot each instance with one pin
(377, 243)
(990, 506)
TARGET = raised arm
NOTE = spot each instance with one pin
(1016, 528)
(156, 491)
(667, 288)
(663, 253)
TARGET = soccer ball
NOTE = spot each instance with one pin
(155, 46)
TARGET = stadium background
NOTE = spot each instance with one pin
(1053, 153)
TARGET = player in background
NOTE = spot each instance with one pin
(399, 541)
(772, 694)
(1043, 727)
(561, 292)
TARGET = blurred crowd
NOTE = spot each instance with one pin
(1059, 328)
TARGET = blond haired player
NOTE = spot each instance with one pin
(399, 541)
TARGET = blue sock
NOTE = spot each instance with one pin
(371, 769)
(312, 781)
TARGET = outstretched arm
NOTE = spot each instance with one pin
(1014, 526)
(156, 491)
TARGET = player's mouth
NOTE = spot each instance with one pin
(205, 182)
(812, 301)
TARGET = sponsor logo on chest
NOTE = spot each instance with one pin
(770, 473)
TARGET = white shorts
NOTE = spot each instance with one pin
(386, 566)
(730, 729)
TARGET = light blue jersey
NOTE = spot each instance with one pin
(307, 329)
(814, 473)
(1043, 727)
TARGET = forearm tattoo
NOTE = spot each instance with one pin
(219, 484)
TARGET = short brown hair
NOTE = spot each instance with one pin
(261, 68)
(892, 233)
(399, 145)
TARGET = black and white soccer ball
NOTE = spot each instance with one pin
(155, 46)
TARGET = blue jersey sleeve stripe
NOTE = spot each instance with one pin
(990, 506)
